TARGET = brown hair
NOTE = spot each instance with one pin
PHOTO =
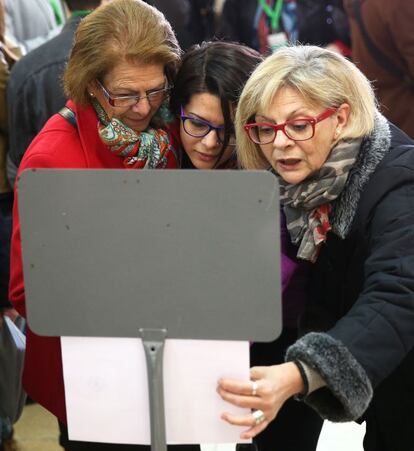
(122, 30)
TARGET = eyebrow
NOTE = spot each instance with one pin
(161, 85)
(196, 116)
(293, 113)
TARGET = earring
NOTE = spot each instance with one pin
(91, 94)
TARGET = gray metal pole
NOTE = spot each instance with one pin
(153, 341)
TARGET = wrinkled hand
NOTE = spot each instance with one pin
(275, 384)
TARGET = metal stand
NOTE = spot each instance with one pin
(154, 341)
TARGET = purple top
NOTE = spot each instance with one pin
(294, 278)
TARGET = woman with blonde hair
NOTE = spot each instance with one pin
(346, 179)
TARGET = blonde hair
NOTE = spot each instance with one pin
(122, 30)
(322, 77)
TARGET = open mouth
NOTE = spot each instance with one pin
(289, 161)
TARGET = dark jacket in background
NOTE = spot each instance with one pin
(7, 59)
(318, 22)
(390, 26)
(35, 91)
(237, 22)
(193, 21)
(322, 22)
(201, 26)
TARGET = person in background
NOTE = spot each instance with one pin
(382, 47)
(346, 179)
(205, 97)
(193, 21)
(202, 24)
(59, 11)
(118, 76)
(35, 89)
(8, 57)
(267, 25)
(30, 23)
(177, 12)
(324, 23)
(259, 24)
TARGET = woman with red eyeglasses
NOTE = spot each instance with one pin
(205, 96)
(347, 187)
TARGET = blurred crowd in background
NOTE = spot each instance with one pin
(36, 38)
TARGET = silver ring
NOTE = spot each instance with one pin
(255, 386)
(258, 416)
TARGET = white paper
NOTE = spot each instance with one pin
(107, 390)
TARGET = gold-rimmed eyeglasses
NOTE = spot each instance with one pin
(154, 96)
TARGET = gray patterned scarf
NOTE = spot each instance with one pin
(308, 204)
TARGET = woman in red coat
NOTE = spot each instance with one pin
(118, 78)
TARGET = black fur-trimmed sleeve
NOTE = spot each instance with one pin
(348, 391)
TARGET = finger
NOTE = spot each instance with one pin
(245, 420)
(249, 402)
(239, 420)
(236, 386)
(252, 432)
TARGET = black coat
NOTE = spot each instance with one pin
(363, 283)
(319, 22)
(35, 90)
(191, 20)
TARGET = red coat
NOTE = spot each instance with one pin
(58, 145)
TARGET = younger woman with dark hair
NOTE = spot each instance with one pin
(207, 89)
(205, 95)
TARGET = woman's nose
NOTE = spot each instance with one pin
(210, 140)
(281, 140)
(143, 106)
